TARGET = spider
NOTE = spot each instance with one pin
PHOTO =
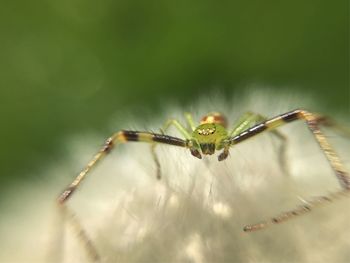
(212, 135)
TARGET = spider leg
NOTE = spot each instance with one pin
(115, 139)
(313, 122)
(156, 161)
(180, 128)
(83, 238)
(190, 121)
(120, 137)
(248, 120)
(300, 210)
(330, 123)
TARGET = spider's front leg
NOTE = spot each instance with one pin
(313, 121)
(120, 137)
(243, 124)
(115, 139)
(181, 129)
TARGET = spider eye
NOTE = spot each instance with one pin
(207, 131)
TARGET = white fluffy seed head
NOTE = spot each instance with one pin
(197, 211)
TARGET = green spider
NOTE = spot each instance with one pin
(212, 135)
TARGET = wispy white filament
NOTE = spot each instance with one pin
(197, 211)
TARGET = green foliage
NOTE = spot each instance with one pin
(68, 66)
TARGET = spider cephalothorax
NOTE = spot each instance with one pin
(210, 134)
(209, 137)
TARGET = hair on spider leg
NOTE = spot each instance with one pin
(197, 210)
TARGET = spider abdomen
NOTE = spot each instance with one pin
(215, 117)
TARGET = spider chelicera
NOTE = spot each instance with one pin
(212, 135)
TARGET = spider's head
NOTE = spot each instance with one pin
(208, 137)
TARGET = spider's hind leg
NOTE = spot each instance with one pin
(156, 161)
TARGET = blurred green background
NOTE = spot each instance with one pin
(67, 66)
